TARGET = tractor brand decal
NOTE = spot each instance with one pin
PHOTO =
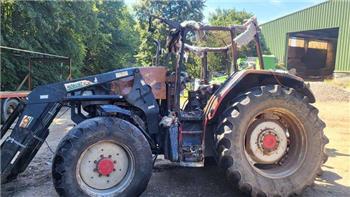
(26, 120)
(77, 85)
(121, 74)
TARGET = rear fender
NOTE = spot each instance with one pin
(242, 81)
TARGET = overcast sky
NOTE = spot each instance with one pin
(265, 10)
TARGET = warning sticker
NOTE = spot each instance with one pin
(121, 74)
(77, 85)
(25, 122)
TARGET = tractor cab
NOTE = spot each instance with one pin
(184, 125)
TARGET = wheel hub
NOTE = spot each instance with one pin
(267, 142)
(105, 167)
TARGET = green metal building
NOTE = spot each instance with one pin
(314, 41)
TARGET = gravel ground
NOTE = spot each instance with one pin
(327, 92)
(171, 180)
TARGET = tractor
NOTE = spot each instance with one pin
(258, 125)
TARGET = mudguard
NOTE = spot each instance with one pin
(242, 81)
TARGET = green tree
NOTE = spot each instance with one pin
(97, 35)
(173, 10)
(116, 42)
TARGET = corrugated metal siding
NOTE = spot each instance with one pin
(330, 14)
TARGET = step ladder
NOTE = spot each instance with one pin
(191, 139)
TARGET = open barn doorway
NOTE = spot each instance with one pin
(311, 54)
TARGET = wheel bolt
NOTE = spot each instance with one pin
(107, 175)
(101, 156)
(95, 170)
(99, 175)
(109, 156)
(95, 161)
(113, 169)
(114, 161)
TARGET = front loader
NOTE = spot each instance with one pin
(259, 125)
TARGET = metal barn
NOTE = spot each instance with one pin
(313, 41)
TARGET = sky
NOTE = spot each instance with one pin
(264, 10)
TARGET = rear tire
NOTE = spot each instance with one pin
(270, 142)
(102, 156)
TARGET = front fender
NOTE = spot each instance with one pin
(242, 81)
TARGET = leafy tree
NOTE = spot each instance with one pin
(173, 10)
(97, 35)
(116, 42)
(101, 35)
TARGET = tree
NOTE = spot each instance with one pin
(116, 42)
(173, 10)
(97, 35)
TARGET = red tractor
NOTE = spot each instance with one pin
(259, 125)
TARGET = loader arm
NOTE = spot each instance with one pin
(37, 112)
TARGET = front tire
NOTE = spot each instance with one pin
(271, 142)
(102, 156)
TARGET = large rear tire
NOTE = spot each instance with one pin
(271, 142)
(102, 156)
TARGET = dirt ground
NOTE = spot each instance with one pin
(171, 180)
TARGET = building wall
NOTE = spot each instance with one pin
(330, 14)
